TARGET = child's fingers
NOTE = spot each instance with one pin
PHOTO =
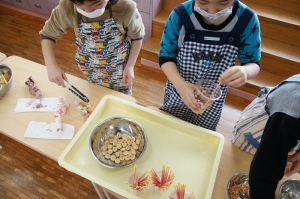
(194, 104)
(289, 173)
(226, 75)
(65, 78)
(290, 169)
(297, 166)
(294, 157)
(126, 81)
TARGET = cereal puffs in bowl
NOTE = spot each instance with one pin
(118, 142)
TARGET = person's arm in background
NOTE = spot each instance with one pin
(128, 73)
(280, 135)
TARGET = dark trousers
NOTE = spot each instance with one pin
(267, 167)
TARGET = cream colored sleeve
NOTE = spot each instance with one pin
(64, 16)
(129, 19)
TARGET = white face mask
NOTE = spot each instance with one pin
(222, 13)
(94, 14)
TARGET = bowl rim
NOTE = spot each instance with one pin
(9, 83)
(117, 118)
(11, 71)
(284, 183)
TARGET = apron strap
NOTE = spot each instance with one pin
(109, 7)
(243, 20)
(184, 17)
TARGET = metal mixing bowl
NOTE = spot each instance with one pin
(290, 189)
(238, 179)
(115, 132)
(6, 88)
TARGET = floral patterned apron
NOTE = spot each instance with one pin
(102, 53)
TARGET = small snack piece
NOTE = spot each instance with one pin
(117, 160)
(121, 149)
(107, 156)
(85, 108)
(119, 135)
(113, 158)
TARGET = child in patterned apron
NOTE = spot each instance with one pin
(201, 41)
(281, 134)
(103, 51)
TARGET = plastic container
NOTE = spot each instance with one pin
(207, 92)
(130, 181)
(193, 153)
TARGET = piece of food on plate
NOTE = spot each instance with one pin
(85, 108)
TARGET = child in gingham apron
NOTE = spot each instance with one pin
(201, 41)
(103, 52)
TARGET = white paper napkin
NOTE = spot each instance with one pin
(29, 105)
(47, 130)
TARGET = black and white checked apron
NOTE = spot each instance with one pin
(203, 54)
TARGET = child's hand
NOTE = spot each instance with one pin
(293, 164)
(56, 75)
(186, 92)
(235, 76)
(128, 75)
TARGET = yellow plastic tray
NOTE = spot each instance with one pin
(191, 152)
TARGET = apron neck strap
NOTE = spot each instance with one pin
(109, 7)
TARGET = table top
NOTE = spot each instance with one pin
(14, 124)
(2, 56)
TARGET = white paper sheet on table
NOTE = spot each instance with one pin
(46, 130)
(29, 105)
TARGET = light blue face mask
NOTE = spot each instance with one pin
(222, 13)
